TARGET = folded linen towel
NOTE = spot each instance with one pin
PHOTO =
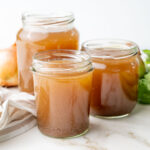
(17, 111)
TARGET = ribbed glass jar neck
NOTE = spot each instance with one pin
(54, 62)
(110, 48)
(45, 21)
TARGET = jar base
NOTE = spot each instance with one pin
(68, 137)
(111, 117)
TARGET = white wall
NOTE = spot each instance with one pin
(127, 19)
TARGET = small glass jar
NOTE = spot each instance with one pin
(115, 77)
(62, 85)
(40, 32)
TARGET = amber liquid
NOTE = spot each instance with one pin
(28, 43)
(115, 85)
(63, 103)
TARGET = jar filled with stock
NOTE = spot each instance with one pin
(63, 84)
(115, 77)
(40, 32)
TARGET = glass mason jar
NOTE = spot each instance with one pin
(115, 77)
(62, 85)
(40, 32)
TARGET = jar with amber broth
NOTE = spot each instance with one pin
(40, 32)
(62, 84)
(115, 76)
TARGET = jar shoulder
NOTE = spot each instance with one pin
(39, 35)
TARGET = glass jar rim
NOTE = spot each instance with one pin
(53, 18)
(113, 45)
(61, 61)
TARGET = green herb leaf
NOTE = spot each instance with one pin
(147, 61)
(144, 89)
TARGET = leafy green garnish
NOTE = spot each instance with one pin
(142, 69)
(144, 83)
(144, 89)
(147, 61)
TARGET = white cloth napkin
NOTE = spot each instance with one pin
(17, 111)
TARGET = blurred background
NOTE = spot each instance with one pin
(125, 19)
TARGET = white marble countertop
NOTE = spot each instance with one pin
(130, 133)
